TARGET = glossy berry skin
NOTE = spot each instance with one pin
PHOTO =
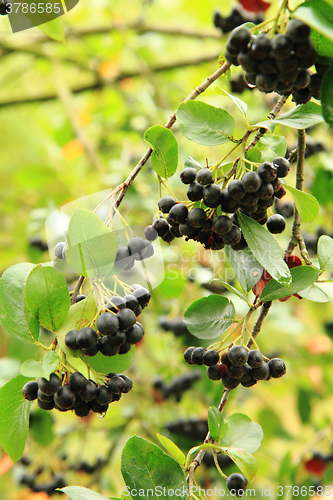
(247, 375)
(237, 484)
(51, 386)
(83, 410)
(228, 205)
(107, 347)
(265, 191)
(71, 340)
(239, 38)
(107, 323)
(197, 357)
(255, 359)
(188, 175)
(249, 383)
(251, 182)
(117, 339)
(282, 46)
(186, 230)
(195, 191)
(261, 373)
(267, 171)
(87, 338)
(64, 398)
(196, 217)
(77, 381)
(298, 31)
(266, 83)
(235, 371)
(44, 397)
(135, 246)
(277, 368)
(166, 203)
(116, 303)
(188, 355)
(229, 383)
(88, 393)
(211, 357)
(233, 237)
(128, 384)
(260, 46)
(178, 213)
(142, 295)
(29, 390)
(103, 395)
(238, 355)
(211, 195)
(213, 372)
(283, 166)
(222, 225)
(276, 224)
(134, 335)
(236, 189)
(161, 227)
(126, 318)
(204, 176)
(116, 384)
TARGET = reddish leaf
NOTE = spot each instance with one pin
(255, 5)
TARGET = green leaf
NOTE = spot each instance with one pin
(265, 248)
(302, 278)
(322, 186)
(205, 124)
(306, 204)
(246, 463)
(246, 267)
(192, 163)
(79, 315)
(314, 293)
(14, 313)
(326, 96)
(164, 158)
(173, 449)
(54, 29)
(145, 466)
(267, 149)
(215, 423)
(233, 290)
(325, 252)
(241, 105)
(46, 293)
(241, 432)
(41, 427)
(318, 15)
(209, 317)
(91, 246)
(302, 116)
(117, 364)
(304, 405)
(14, 417)
(32, 368)
(9, 368)
(81, 493)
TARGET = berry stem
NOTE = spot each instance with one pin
(167, 187)
(217, 465)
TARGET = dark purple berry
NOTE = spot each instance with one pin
(107, 323)
(77, 381)
(50, 386)
(166, 203)
(161, 227)
(255, 359)
(237, 484)
(188, 355)
(29, 390)
(262, 372)
(71, 340)
(64, 397)
(222, 225)
(195, 191)
(211, 357)
(251, 182)
(238, 355)
(150, 233)
(188, 175)
(276, 224)
(277, 368)
(204, 176)
(197, 357)
(87, 338)
(196, 217)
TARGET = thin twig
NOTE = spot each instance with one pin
(296, 237)
(196, 462)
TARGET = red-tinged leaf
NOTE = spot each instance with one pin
(255, 5)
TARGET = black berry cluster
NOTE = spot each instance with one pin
(117, 328)
(238, 84)
(193, 428)
(78, 393)
(312, 147)
(279, 64)
(234, 19)
(49, 487)
(177, 386)
(201, 356)
(137, 249)
(252, 194)
(177, 326)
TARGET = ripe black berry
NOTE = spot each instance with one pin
(44, 397)
(267, 171)
(117, 339)
(92, 351)
(103, 395)
(87, 338)
(262, 372)
(255, 359)
(71, 340)
(239, 38)
(196, 217)
(64, 397)
(188, 355)
(107, 323)
(77, 381)
(211, 195)
(185, 229)
(251, 182)
(228, 205)
(215, 372)
(211, 357)
(88, 393)
(298, 31)
(134, 335)
(128, 384)
(222, 225)
(188, 175)
(235, 371)
(150, 233)
(135, 246)
(265, 191)
(228, 382)
(247, 375)
(195, 191)
(276, 224)
(166, 203)
(197, 357)
(204, 176)
(260, 46)
(283, 166)
(29, 390)
(233, 237)
(80, 297)
(238, 355)
(237, 484)
(277, 368)
(126, 318)
(247, 61)
(282, 46)
(107, 347)
(236, 189)
(265, 82)
(124, 348)
(161, 227)
(178, 213)
(45, 405)
(83, 410)
(302, 96)
(249, 383)
(51, 386)
(116, 384)
(142, 295)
